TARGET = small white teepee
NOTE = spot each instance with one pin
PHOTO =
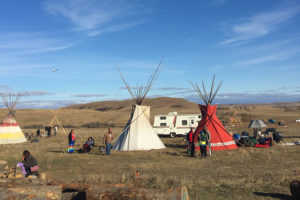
(10, 132)
(138, 133)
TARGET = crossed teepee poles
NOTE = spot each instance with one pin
(55, 121)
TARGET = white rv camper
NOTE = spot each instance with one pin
(173, 124)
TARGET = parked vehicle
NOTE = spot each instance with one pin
(297, 120)
(174, 124)
(281, 123)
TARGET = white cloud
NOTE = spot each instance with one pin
(31, 43)
(260, 25)
(269, 58)
(244, 97)
(89, 95)
(96, 17)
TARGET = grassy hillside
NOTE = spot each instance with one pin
(116, 113)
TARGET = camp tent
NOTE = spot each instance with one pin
(220, 137)
(10, 132)
(138, 133)
(257, 123)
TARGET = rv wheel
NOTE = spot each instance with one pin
(173, 134)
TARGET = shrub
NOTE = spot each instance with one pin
(98, 125)
(69, 126)
(33, 126)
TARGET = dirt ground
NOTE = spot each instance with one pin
(245, 173)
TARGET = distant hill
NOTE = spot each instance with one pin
(108, 113)
(158, 105)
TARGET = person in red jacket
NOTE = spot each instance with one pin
(190, 139)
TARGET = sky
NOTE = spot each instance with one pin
(252, 46)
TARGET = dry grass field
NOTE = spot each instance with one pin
(246, 173)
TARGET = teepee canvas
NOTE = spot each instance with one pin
(10, 132)
(220, 137)
(138, 133)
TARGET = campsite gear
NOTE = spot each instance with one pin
(271, 121)
(138, 133)
(244, 133)
(236, 137)
(262, 145)
(10, 132)
(21, 165)
(257, 123)
(220, 137)
(277, 136)
(56, 123)
(102, 149)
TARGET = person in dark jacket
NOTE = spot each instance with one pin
(71, 139)
(30, 164)
(203, 139)
(38, 132)
(89, 144)
(190, 139)
(49, 131)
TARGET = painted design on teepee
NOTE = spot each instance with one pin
(138, 133)
(10, 132)
(220, 137)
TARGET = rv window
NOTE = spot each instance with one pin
(199, 116)
(163, 124)
(163, 118)
(184, 122)
(192, 121)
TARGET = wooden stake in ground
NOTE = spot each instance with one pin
(55, 121)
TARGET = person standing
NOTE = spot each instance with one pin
(30, 164)
(71, 138)
(107, 140)
(49, 131)
(203, 139)
(38, 132)
(55, 130)
(190, 139)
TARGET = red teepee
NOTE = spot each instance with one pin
(220, 138)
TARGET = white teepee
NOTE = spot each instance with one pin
(138, 133)
(10, 132)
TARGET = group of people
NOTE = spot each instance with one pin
(90, 143)
(47, 130)
(202, 140)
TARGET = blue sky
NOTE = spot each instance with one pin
(252, 46)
